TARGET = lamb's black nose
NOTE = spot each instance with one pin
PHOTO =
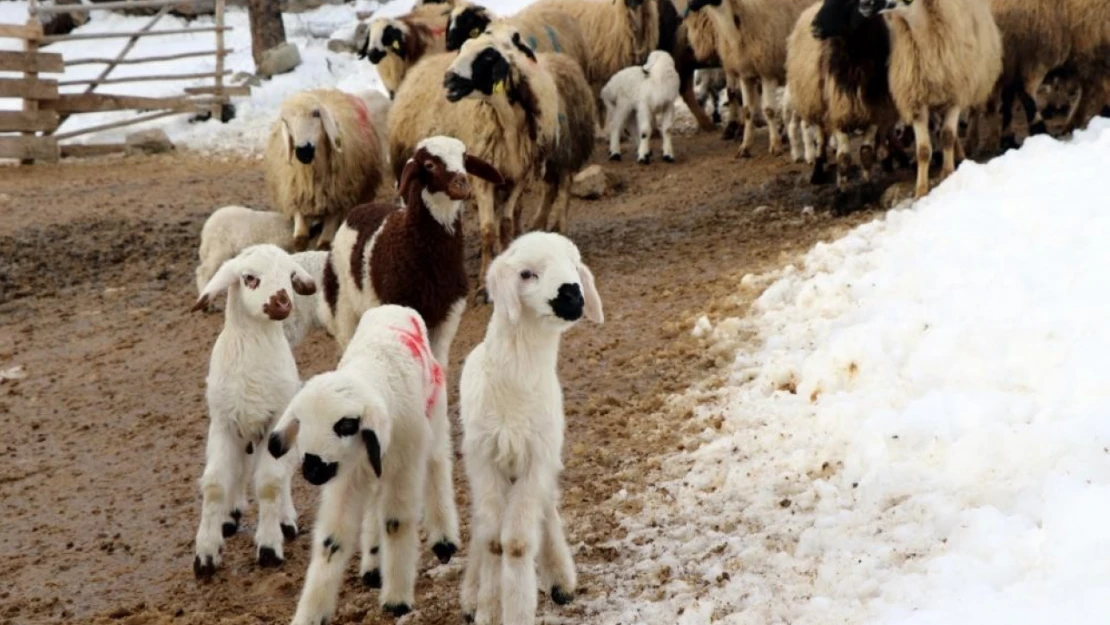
(316, 471)
(569, 303)
(305, 153)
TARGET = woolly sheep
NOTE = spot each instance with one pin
(618, 33)
(395, 44)
(948, 60)
(1090, 57)
(541, 27)
(511, 410)
(323, 157)
(751, 43)
(363, 430)
(649, 91)
(251, 378)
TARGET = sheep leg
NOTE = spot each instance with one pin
(484, 197)
(272, 483)
(686, 90)
(617, 121)
(1033, 117)
(331, 226)
(555, 557)
(809, 152)
(645, 121)
(924, 152)
(441, 519)
(481, 585)
(550, 192)
(520, 537)
(771, 115)
(867, 152)
(1009, 93)
(747, 96)
(732, 128)
(300, 233)
(511, 216)
(665, 126)
(793, 136)
(401, 496)
(950, 140)
(333, 540)
(562, 203)
(224, 467)
(843, 159)
(370, 541)
(346, 321)
(820, 140)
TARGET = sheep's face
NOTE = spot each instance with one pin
(335, 427)
(440, 166)
(306, 122)
(466, 22)
(541, 278)
(260, 282)
(385, 36)
(836, 18)
(481, 69)
(867, 8)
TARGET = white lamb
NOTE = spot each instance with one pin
(365, 433)
(649, 92)
(511, 410)
(307, 315)
(231, 229)
(251, 378)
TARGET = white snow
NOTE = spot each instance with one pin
(921, 435)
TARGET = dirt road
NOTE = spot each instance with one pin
(104, 437)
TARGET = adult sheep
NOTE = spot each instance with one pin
(1090, 56)
(618, 33)
(947, 61)
(395, 44)
(324, 156)
(541, 28)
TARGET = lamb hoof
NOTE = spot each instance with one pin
(372, 579)
(644, 160)
(268, 558)
(560, 596)
(396, 609)
(204, 568)
(289, 531)
(229, 528)
(731, 131)
(667, 158)
(614, 156)
(444, 550)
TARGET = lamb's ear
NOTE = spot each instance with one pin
(477, 167)
(220, 282)
(589, 292)
(408, 177)
(282, 439)
(303, 284)
(288, 141)
(373, 450)
(330, 129)
(504, 289)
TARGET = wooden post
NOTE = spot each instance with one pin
(31, 46)
(217, 109)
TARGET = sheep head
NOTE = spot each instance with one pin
(482, 68)
(258, 282)
(541, 279)
(467, 21)
(385, 36)
(337, 424)
(305, 123)
(836, 18)
(439, 168)
(697, 5)
(870, 7)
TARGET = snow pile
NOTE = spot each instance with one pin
(923, 435)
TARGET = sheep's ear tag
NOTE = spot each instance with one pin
(499, 86)
(396, 45)
(474, 32)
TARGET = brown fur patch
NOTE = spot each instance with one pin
(365, 219)
(516, 549)
(495, 547)
(331, 286)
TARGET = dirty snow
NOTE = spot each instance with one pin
(921, 435)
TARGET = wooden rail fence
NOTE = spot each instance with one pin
(29, 134)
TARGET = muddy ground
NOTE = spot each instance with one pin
(104, 436)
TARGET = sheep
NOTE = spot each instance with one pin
(751, 43)
(413, 257)
(541, 27)
(650, 91)
(577, 119)
(511, 410)
(708, 84)
(230, 229)
(395, 44)
(505, 109)
(307, 309)
(338, 160)
(251, 378)
(1090, 58)
(699, 35)
(945, 55)
(363, 430)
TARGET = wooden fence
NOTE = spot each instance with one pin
(44, 108)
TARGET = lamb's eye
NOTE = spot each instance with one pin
(249, 281)
(315, 113)
(347, 426)
(430, 166)
(527, 275)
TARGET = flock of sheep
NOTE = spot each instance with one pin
(480, 108)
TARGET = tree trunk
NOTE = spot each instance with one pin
(267, 29)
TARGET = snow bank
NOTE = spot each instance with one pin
(922, 436)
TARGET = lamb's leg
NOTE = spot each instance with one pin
(370, 540)
(272, 479)
(441, 519)
(617, 120)
(771, 115)
(949, 139)
(555, 555)
(924, 151)
(487, 223)
(476, 552)
(665, 126)
(333, 542)
(520, 538)
(237, 496)
(747, 96)
(327, 235)
(645, 121)
(402, 493)
(223, 468)
(346, 321)
(481, 587)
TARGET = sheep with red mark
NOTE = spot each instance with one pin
(395, 44)
(365, 432)
(251, 378)
(412, 256)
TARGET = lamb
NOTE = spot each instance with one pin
(364, 433)
(307, 309)
(244, 398)
(505, 109)
(231, 229)
(513, 425)
(412, 257)
(394, 45)
(338, 161)
(649, 91)
(541, 27)
(946, 55)
(708, 84)
(751, 43)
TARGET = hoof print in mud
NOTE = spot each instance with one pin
(397, 610)
(268, 558)
(372, 579)
(444, 550)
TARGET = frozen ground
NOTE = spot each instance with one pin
(920, 434)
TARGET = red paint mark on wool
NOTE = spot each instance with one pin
(413, 339)
(363, 114)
